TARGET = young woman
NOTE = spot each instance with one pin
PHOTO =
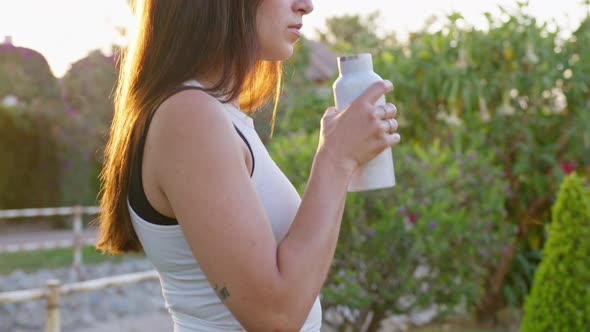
(187, 179)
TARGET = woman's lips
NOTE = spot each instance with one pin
(296, 29)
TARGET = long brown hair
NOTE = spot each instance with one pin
(176, 41)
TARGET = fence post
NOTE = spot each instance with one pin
(53, 319)
(77, 225)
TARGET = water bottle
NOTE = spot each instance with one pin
(356, 75)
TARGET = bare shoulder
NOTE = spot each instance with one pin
(190, 129)
(189, 137)
(190, 109)
(193, 124)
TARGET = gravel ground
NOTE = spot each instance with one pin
(158, 321)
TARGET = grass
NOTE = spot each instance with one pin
(454, 329)
(59, 258)
(53, 259)
(508, 321)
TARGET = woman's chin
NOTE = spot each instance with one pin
(279, 54)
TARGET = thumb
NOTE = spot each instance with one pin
(329, 114)
(331, 111)
(375, 91)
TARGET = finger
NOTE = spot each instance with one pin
(385, 125)
(392, 110)
(380, 112)
(375, 91)
(393, 139)
(331, 111)
(389, 125)
(386, 111)
(394, 125)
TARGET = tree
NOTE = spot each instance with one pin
(87, 90)
(29, 167)
(560, 298)
(356, 34)
(25, 74)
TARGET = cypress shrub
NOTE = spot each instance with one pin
(29, 166)
(560, 296)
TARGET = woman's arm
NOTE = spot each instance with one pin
(202, 173)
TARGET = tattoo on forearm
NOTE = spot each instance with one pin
(222, 292)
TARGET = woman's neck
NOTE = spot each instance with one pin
(209, 81)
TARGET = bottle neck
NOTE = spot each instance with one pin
(355, 63)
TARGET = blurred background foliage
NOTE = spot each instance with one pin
(514, 97)
(491, 121)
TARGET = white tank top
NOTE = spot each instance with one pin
(189, 298)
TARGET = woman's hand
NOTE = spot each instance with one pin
(355, 135)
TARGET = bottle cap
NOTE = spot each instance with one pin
(355, 63)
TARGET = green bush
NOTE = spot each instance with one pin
(528, 87)
(425, 242)
(577, 63)
(86, 90)
(303, 101)
(294, 154)
(535, 151)
(25, 73)
(560, 298)
(29, 167)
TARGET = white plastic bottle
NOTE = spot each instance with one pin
(356, 75)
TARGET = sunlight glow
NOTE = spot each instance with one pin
(66, 30)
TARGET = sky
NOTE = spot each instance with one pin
(64, 31)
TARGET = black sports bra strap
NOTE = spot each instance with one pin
(170, 93)
(137, 197)
(249, 148)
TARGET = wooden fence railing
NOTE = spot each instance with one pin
(54, 290)
(76, 242)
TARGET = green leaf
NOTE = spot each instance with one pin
(509, 295)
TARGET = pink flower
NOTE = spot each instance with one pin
(70, 109)
(568, 166)
(412, 217)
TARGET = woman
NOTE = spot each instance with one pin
(187, 179)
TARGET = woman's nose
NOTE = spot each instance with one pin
(304, 6)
